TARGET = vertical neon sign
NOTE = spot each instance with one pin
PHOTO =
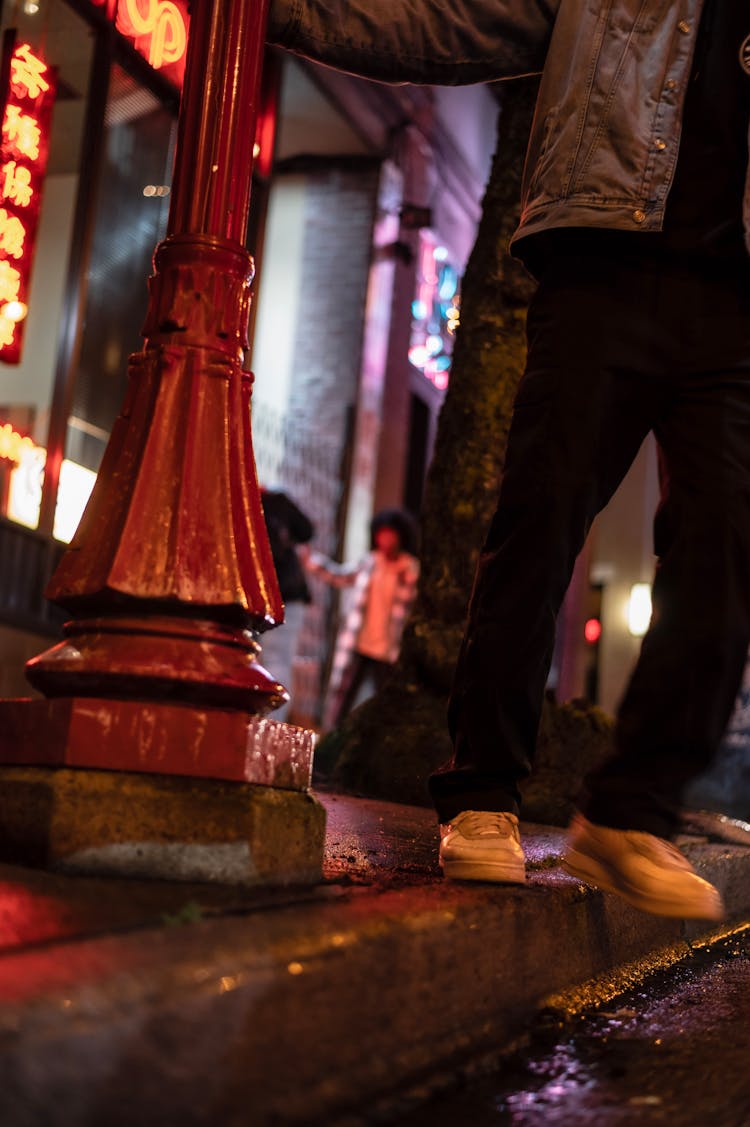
(24, 146)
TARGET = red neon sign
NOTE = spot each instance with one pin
(13, 445)
(24, 144)
(158, 30)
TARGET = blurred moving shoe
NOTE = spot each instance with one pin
(716, 826)
(479, 845)
(648, 872)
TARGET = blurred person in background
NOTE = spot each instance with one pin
(384, 584)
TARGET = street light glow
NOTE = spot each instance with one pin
(639, 609)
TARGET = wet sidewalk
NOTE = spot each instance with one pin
(135, 1002)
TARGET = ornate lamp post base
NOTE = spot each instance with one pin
(155, 738)
(159, 826)
(151, 755)
(158, 658)
(160, 790)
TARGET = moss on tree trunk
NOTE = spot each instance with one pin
(389, 746)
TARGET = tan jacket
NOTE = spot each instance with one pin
(606, 132)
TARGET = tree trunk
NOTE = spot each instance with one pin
(391, 744)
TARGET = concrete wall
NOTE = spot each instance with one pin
(280, 295)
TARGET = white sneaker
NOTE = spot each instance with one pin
(479, 845)
(648, 872)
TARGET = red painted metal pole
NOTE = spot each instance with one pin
(215, 151)
(171, 569)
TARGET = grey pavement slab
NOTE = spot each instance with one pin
(125, 1002)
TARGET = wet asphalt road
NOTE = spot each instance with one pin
(674, 1051)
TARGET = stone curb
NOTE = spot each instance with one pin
(311, 1010)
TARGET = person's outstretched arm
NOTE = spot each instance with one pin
(330, 571)
(437, 42)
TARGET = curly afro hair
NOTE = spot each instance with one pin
(401, 523)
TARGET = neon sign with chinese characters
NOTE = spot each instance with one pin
(158, 29)
(24, 145)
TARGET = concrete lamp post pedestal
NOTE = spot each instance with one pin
(151, 754)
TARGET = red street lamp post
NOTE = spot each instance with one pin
(172, 548)
(170, 570)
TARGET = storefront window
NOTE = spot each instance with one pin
(125, 171)
(130, 219)
(61, 40)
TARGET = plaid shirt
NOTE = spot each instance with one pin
(359, 577)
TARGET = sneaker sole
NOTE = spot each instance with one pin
(492, 871)
(585, 868)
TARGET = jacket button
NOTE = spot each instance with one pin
(672, 84)
(659, 144)
(683, 26)
(639, 216)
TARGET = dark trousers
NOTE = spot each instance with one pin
(363, 668)
(615, 350)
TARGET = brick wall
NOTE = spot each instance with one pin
(340, 203)
(339, 213)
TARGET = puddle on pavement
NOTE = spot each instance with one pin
(674, 1051)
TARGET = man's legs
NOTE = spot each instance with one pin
(681, 694)
(673, 353)
(363, 669)
(591, 393)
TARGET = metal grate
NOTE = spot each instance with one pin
(27, 561)
(298, 463)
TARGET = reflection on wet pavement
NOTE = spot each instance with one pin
(675, 1051)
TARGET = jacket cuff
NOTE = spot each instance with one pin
(283, 21)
